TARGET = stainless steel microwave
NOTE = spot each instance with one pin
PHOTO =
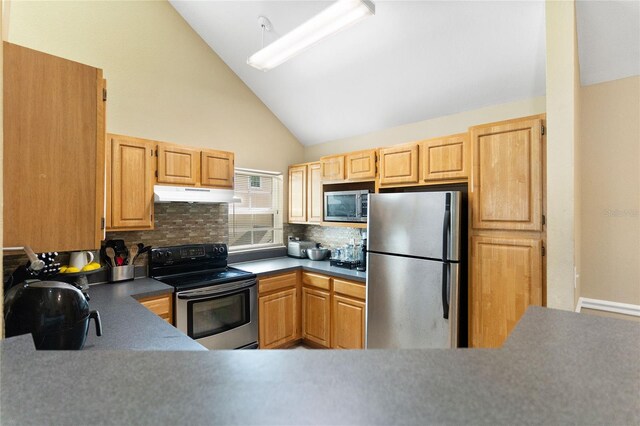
(346, 206)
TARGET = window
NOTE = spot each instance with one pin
(256, 220)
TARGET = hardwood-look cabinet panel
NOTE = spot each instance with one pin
(278, 314)
(315, 212)
(297, 194)
(399, 165)
(178, 165)
(332, 168)
(507, 278)
(361, 165)
(316, 315)
(445, 158)
(160, 305)
(277, 282)
(507, 175)
(217, 169)
(349, 288)
(131, 183)
(54, 152)
(316, 280)
(348, 323)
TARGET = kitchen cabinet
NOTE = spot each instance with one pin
(445, 159)
(507, 269)
(130, 177)
(316, 309)
(178, 164)
(332, 168)
(298, 193)
(160, 305)
(507, 278)
(398, 165)
(507, 175)
(305, 193)
(361, 165)
(278, 310)
(54, 152)
(217, 168)
(348, 313)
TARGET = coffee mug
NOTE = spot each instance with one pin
(80, 259)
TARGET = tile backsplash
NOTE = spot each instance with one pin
(329, 237)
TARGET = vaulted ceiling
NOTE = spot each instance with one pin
(412, 61)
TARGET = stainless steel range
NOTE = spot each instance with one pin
(215, 305)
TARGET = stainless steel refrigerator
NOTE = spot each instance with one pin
(413, 269)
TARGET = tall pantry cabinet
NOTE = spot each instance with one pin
(54, 152)
(507, 226)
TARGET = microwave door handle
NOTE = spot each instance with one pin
(358, 206)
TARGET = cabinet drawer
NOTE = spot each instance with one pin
(350, 288)
(316, 280)
(160, 306)
(277, 282)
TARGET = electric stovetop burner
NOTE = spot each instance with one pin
(193, 266)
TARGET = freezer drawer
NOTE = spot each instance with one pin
(405, 306)
(415, 224)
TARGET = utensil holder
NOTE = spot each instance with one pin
(122, 273)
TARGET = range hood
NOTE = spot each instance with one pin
(186, 194)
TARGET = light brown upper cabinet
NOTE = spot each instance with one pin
(399, 165)
(298, 193)
(445, 159)
(314, 193)
(361, 165)
(54, 152)
(178, 164)
(130, 178)
(332, 168)
(507, 175)
(217, 168)
(507, 278)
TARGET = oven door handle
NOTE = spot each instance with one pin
(215, 291)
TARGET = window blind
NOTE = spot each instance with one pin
(256, 220)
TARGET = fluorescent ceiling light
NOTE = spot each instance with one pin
(336, 17)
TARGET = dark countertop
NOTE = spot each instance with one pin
(557, 368)
(285, 264)
(126, 324)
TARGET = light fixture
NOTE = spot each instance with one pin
(331, 20)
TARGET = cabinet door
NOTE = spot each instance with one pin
(314, 193)
(347, 319)
(217, 169)
(332, 168)
(445, 158)
(298, 193)
(132, 175)
(316, 314)
(507, 175)
(177, 164)
(507, 278)
(399, 165)
(278, 314)
(361, 165)
(54, 152)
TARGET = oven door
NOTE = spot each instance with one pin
(220, 317)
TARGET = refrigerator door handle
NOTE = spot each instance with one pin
(446, 226)
(445, 289)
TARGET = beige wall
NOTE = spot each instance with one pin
(562, 89)
(610, 188)
(164, 82)
(441, 126)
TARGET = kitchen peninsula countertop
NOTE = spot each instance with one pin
(556, 368)
(286, 264)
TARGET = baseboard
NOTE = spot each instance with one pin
(608, 306)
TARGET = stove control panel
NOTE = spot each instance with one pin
(192, 253)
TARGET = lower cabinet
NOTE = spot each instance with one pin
(316, 315)
(278, 317)
(160, 305)
(347, 318)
